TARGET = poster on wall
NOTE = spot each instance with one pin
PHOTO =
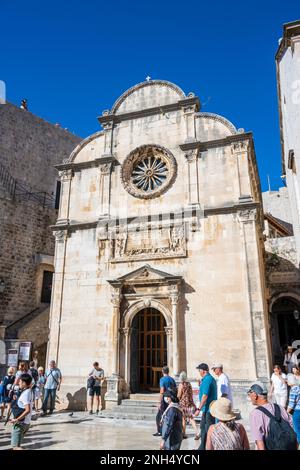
(24, 351)
(12, 358)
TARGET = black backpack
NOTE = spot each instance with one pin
(281, 435)
(90, 382)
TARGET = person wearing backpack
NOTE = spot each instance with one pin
(95, 379)
(270, 423)
(53, 380)
(6, 384)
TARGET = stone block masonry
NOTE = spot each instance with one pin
(29, 149)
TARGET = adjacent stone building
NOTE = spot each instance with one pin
(159, 248)
(282, 273)
(29, 193)
(288, 83)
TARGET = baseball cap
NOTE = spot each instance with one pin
(259, 388)
(217, 365)
(203, 366)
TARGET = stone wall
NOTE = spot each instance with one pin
(29, 149)
(24, 231)
(31, 146)
(277, 203)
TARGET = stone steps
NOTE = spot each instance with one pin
(133, 408)
(139, 407)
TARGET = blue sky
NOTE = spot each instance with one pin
(72, 59)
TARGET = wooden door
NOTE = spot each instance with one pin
(152, 348)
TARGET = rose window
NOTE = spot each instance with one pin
(148, 171)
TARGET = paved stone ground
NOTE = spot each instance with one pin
(85, 432)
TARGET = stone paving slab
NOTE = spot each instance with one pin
(84, 432)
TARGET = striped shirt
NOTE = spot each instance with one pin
(221, 437)
(294, 398)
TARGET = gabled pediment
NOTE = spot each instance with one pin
(145, 274)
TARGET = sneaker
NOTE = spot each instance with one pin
(157, 434)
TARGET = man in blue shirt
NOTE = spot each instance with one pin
(166, 383)
(207, 394)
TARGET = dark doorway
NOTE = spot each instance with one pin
(285, 326)
(47, 287)
(148, 350)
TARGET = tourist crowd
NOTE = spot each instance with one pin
(274, 420)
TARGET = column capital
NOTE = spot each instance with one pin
(191, 155)
(169, 330)
(238, 147)
(247, 215)
(105, 168)
(60, 235)
(126, 331)
(116, 296)
(174, 294)
(66, 175)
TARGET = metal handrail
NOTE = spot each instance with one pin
(20, 190)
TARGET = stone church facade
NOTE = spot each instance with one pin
(159, 248)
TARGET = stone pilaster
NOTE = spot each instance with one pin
(113, 395)
(258, 317)
(174, 297)
(104, 189)
(193, 176)
(189, 111)
(127, 334)
(108, 135)
(61, 238)
(66, 180)
(169, 333)
(240, 150)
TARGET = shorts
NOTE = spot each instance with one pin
(38, 394)
(96, 390)
(17, 434)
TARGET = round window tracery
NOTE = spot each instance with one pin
(148, 171)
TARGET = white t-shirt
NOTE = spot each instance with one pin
(26, 399)
(224, 387)
(279, 386)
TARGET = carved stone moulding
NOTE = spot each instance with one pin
(148, 171)
(166, 242)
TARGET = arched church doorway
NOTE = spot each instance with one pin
(148, 350)
(285, 323)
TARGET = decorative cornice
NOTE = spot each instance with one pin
(144, 84)
(166, 108)
(186, 214)
(290, 30)
(217, 117)
(84, 165)
(202, 146)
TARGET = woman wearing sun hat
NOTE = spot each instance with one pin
(226, 434)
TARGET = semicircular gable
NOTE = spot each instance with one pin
(82, 152)
(210, 126)
(147, 94)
